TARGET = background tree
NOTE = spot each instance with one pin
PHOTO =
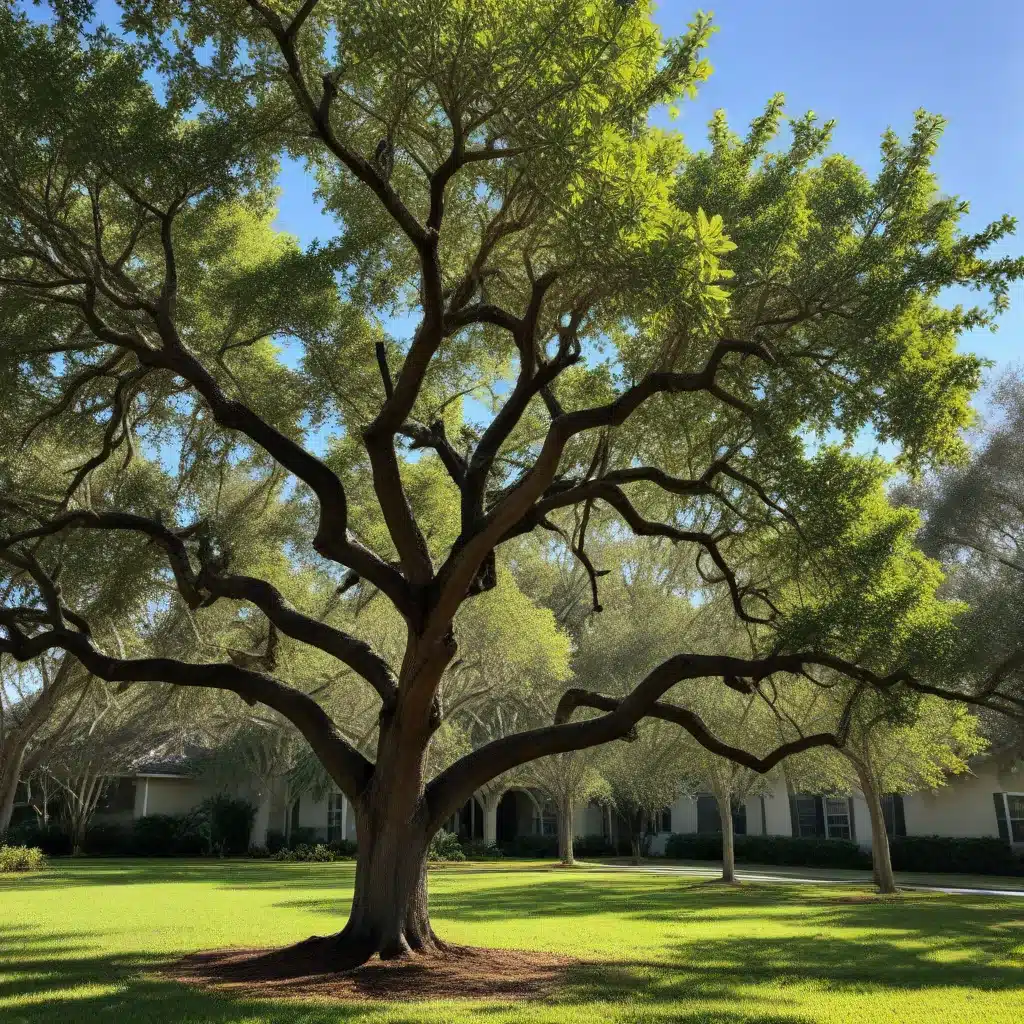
(653, 333)
(974, 523)
(569, 780)
(644, 775)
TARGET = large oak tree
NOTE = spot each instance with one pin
(653, 331)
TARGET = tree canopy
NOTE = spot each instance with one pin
(660, 338)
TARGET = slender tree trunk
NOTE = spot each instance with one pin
(728, 842)
(881, 861)
(10, 776)
(565, 830)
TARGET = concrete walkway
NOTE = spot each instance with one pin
(967, 885)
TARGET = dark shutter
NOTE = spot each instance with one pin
(739, 819)
(819, 816)
(853, 828)
(764, 819)
(794, 819)
(708, 819)
(900, 821)
(1001, 822)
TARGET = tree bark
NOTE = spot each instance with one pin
(728, 842)
(565, 831)
(881, 861)
(10, 776)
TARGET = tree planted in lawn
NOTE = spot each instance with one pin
(652, 331)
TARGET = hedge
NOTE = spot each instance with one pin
(977, 856)
(19, 859)
(970, 855)
(822, 853)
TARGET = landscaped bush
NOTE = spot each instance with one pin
(594, 846)
(53, 839)
(781, 850)
(302, 837)
(21, 858)
(317, 853)
(276, 841)
(108, 841)
(978, 856)
(478, 849)
(229, 822)
(445, 846)
(534, 847)
(343, 849)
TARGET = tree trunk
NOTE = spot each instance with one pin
(565, 830)
(490, 802)
(728, 843)
(390, 915)
(881, 862)
(10, 776)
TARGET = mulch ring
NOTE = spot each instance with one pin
(306, 972)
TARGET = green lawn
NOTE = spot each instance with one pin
(76, 944)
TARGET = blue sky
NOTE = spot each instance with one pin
(868, 65)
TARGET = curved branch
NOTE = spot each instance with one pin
(349, 769)
(355, 653)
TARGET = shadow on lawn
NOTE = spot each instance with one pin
(915, 942)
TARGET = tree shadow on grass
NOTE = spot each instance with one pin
(57, 983)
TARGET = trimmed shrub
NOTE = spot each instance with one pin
(534, 847)
(276, 841)
(259, 853)
(343, 849)
(53, 839)
(163, 835)
(302, 837)
(594, 846)
(108, 841)
(969, 855)
(228, 822)
(478, 849)
(445, 846)
(780, 850)
(318, 853)
(20, 859)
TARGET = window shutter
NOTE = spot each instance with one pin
(853, 827)
(899, 818)
(794, 821)
(1001, 822)
(819, 817)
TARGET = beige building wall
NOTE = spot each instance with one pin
(164, 795)
(965, 806)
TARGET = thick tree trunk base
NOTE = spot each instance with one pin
(321, 967)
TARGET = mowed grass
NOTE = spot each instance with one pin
(79, 943)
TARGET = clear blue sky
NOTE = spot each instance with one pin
(868, 64)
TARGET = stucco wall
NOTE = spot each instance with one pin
(169, 796)
(964, 807)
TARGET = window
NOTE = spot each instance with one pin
(118, 797)
(806, 815)
(739, 819)
(546, 823)
(837, 818)
(336, 817)
(665, 825)
(1011, 823)
(892, 811)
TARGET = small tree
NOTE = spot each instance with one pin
(904, 756)
(568, 780)
(644, 775)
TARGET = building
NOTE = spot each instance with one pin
(989, 801)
